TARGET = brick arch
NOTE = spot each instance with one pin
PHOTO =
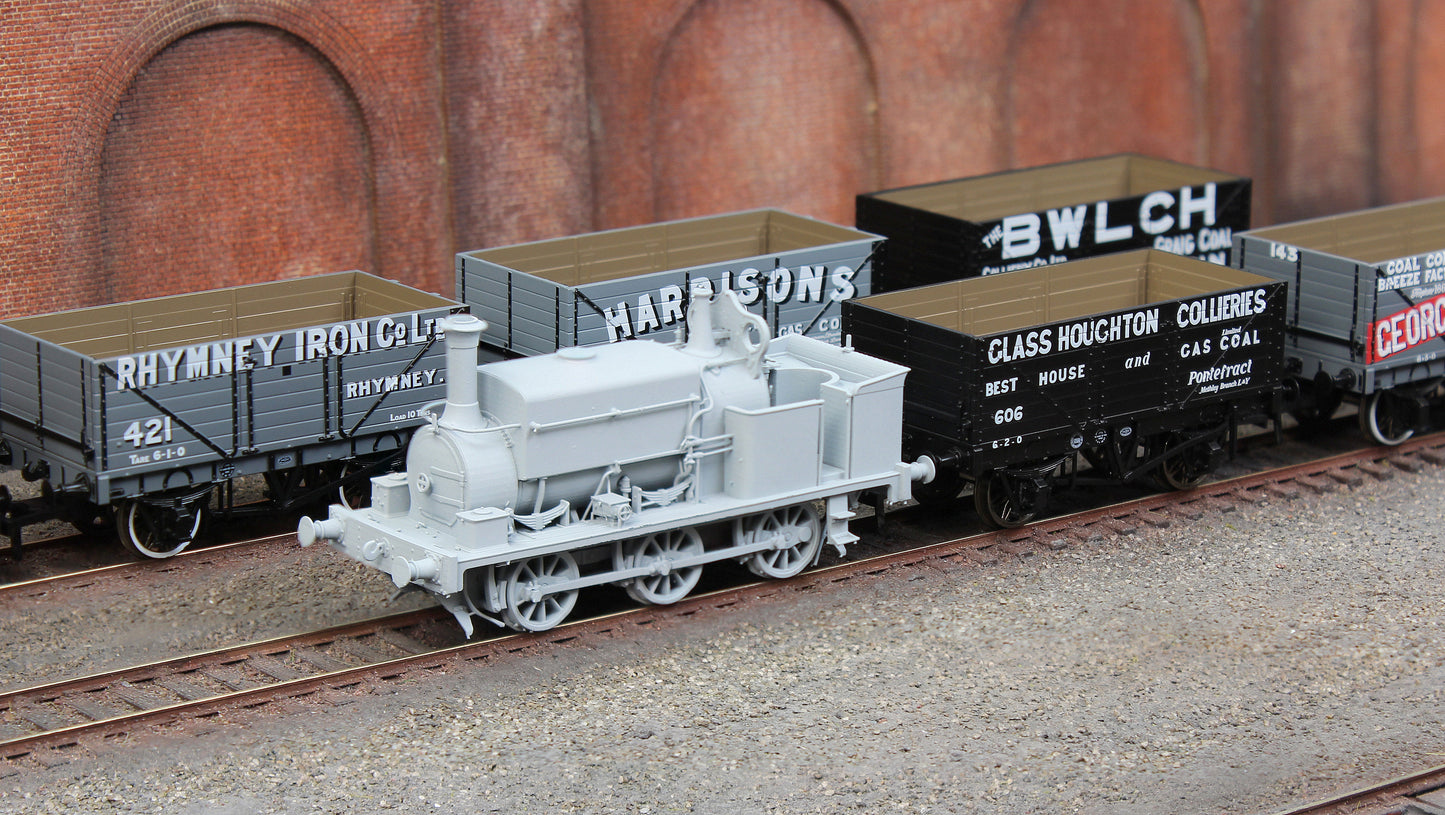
(236, 156)
(1081, 77)
(164, 29)
(745, 114)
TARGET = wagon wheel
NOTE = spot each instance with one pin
(801, 537)
(352, 496)
(1314, 415)
(1386, 417)
(666, 584)
(529, 607)
(1004, 501)
(158, 530)
(1185, 470)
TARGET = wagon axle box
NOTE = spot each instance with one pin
(179, 392)
(1020, 219)
(1116, 358)
(1367, 311)
(636, 282)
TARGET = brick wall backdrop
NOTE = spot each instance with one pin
(198, 187)
(149, 147)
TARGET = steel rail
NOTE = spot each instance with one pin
(136, 568)
(1397, 796)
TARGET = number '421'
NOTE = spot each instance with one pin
(151, 431)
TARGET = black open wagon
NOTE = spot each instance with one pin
(1143, 364)
(1036, 216)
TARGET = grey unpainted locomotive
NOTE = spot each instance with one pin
(634, 463)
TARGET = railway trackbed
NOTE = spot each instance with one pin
(39, 725)
(255, 546)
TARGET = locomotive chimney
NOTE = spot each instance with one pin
(463, 334)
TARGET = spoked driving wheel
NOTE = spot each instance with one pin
(1387, 417)
(1004, 501)
(795, 533)
(529, 604)
(1186, 469)
(667, 583)
(159, 529)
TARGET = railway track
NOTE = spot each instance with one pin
(1421, 793)
(39, 725)
(54, 559)
(132, 569)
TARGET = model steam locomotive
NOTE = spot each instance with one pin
(635, 464)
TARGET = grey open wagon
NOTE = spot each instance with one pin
(637, 282)
(148, 407)
(1366, 316)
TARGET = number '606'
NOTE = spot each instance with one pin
(1012, 414)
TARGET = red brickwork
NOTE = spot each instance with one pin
(251, 192)
(193, 156)
(788, 120)
(152, 146)
(1321, 105)
(517, 121)
(1077, 70)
